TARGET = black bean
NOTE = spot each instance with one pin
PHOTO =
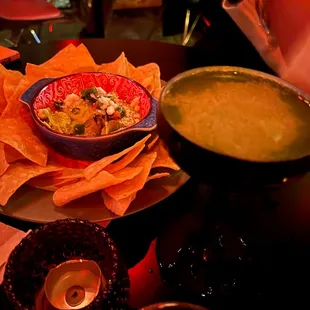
(58, 105)
(99, 120)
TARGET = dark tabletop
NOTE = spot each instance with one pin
(289, 225)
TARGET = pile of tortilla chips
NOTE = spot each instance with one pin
(24, 158)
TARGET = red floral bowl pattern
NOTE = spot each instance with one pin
(126, 89)
(43, 93)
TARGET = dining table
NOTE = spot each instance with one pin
(279, 231)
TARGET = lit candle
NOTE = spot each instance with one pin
(73, 284)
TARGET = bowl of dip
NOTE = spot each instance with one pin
(87, 116)
(234, 124)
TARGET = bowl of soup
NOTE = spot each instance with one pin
(87, 116)
(231, 124)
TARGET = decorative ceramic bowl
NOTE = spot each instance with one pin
(215, 167)
(43, 93)
(58, 242)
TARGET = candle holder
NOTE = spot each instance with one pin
(80, 250)
(74, 284)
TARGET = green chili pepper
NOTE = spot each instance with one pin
(79, 129)
(58, 105)
(86, 94)
(121, 110)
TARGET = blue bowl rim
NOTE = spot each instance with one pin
(93, 138)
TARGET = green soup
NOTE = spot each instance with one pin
(240, 116)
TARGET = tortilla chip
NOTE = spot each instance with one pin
(153, 142)
(11, 80)
(70, 173)
(84, 58)
(54, 181)
(3, 73)
(86, 69)
(163, 159)
(3, 162)
(126, 160)
(55, 187)
(17, 174)
(46, 179)
(35, 73)
(84, 187)
(152, 82)
(119, 66)
(147, 75)
(134, 74)
(49, 182)
(73, 176)
(14, 105)
(70, 60)
(157, 176)
(11, 154)
(56, 62)
(99, 165)
(25, 115)
(128, 188)
(19, 136)
(127, 173)
(119, 207)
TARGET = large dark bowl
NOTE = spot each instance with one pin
(210, 166)
(43, 93)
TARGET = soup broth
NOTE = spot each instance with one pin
(240, 116)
